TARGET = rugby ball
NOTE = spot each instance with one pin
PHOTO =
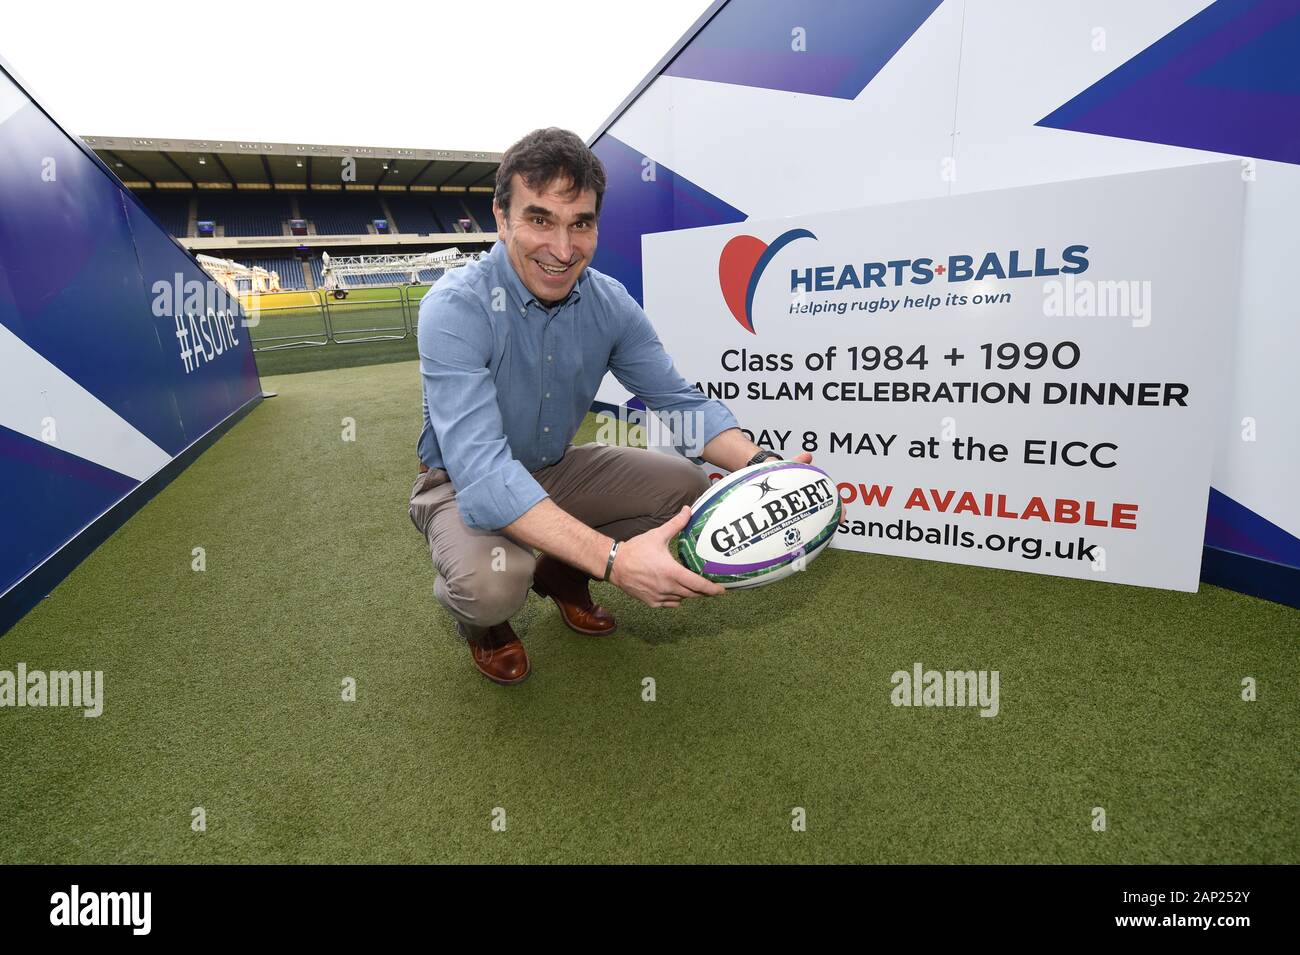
(760, 524)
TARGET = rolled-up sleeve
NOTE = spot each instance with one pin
(492, 488)
(642, 366)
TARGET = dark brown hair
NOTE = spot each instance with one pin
(545, 155)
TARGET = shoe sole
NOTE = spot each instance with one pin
(506, 682)
(500, 682)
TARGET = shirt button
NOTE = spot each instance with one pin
(547, 430)
(544, 457)
(548, 357)
(547, 395)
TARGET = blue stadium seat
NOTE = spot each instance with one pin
(172, 209)
(480, 207)
(447, 207)
(412, 214)
(251, 213)
(288, 268)
(341, 213)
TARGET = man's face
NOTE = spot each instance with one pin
(550, 235)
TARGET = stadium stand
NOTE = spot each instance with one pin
(412, 214)
(447, 207)
(479, 205)
(170, 208)
(254, 213)
(289, 270)
(378, 278)
(335, 214)
(317, 278)
(291, 276)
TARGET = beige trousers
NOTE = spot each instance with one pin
(484, 576)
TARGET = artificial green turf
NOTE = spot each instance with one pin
(223, 691)
(291, 361)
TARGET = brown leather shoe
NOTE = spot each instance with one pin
(499, 654)
(567, 586)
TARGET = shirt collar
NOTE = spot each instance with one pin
(505, 270)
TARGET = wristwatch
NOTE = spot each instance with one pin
(762, 456)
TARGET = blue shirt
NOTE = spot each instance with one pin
(507, 381)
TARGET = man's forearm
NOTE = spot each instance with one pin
(549, 528)
(730, 449)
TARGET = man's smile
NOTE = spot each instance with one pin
(554, 274)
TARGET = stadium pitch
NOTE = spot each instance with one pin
(283, 321)
(225, 690)
(276, 317)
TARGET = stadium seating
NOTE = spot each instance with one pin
(265, 213)
(449, 210)
(480, 207)
(290, 272)
(253, 213)
(412, 213)
(340, 214)
(378, 278)
(170, 208)
(289, 269)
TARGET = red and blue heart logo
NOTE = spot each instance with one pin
(741, 265)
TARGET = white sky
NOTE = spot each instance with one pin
(437, 74)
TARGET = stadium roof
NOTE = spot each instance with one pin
(143, 163)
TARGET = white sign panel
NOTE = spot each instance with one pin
(1025, 379)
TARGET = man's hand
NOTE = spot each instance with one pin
(644, 568)
(803, 458)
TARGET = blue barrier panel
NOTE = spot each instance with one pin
(119, 357)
